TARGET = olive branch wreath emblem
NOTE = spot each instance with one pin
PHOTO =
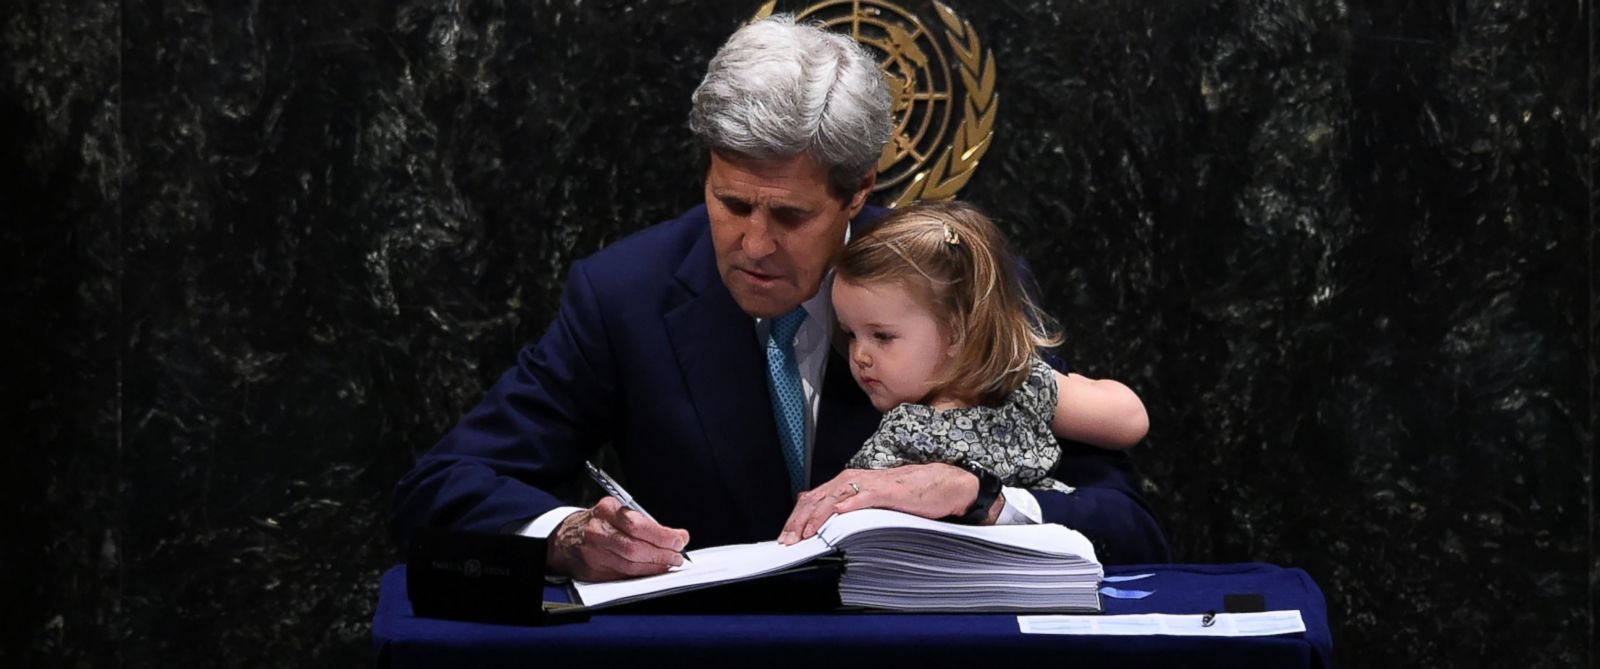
(957, 162)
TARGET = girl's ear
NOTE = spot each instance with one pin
(954, 336)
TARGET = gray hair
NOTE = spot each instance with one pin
(778, 88)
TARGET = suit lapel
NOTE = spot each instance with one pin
(715, 344)
(724, 370)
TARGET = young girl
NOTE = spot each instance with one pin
(945, 341)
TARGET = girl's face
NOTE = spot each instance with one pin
(897, 348)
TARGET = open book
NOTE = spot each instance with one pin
(898, 561)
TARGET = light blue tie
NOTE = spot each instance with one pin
(788, 398)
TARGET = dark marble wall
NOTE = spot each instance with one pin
(258, 256)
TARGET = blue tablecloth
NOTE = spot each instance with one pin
(874, 639)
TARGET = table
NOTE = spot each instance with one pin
(874, 639)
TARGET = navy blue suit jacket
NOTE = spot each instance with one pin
(650, 353)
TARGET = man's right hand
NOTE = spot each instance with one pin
(611, 542)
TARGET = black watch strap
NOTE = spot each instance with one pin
(988, 492)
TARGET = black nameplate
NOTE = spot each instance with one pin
(478, 576)
(1244, 603)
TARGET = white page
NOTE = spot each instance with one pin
(707, 566)
(724, 564)
(1045, 537)
(1264, 623)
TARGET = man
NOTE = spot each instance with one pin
(701, 349)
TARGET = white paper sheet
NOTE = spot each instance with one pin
(720, 564)
(955, 566)
(1264, 623)
(1028, 539)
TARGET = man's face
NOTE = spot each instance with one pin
(776, 227)
(897, 349)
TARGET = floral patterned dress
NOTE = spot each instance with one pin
(1013, 441)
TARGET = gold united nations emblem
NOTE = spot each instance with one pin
(943, 110)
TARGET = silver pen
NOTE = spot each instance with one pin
(614, 489)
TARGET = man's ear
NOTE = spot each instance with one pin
(859, 199)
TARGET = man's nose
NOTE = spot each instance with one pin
(758, 240)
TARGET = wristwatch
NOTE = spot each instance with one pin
(988, 491)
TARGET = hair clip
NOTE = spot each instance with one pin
(950, 236)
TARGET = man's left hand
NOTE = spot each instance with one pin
(932, 491)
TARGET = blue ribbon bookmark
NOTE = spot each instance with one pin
(1118, 593)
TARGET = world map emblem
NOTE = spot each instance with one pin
(944, 103)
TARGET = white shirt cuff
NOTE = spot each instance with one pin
(542, 526)
(1021, 508)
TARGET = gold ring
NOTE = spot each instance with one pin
(855, 488)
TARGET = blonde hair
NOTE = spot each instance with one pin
(956, 263)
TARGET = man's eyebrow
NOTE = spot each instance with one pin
(792, 209)
(775, 207)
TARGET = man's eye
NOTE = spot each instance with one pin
(736, 208)
(791, 217)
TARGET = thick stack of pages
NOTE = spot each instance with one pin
(899, 561)
(896, 561)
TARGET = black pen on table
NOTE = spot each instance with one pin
(614, 489)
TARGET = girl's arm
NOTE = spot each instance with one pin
(1100, 412)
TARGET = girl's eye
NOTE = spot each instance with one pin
(883, 336)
